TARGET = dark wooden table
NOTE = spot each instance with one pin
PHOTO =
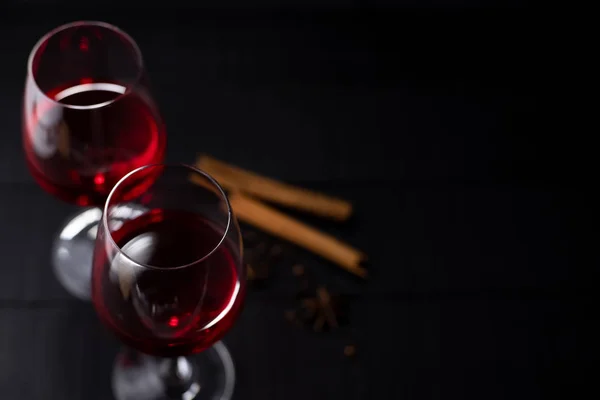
(429, 122)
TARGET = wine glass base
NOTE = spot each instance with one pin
(138, 376)
(72, 252)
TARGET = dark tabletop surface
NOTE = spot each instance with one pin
(430, 122)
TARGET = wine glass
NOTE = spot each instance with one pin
(168, 280)
(88, 119)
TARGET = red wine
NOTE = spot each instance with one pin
(92, 134)
(179, 306)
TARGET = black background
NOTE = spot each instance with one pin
(434, 121)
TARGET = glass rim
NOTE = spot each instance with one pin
(190, 169)
(105, 25)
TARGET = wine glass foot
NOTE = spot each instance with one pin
(72, 252)
(209, 375)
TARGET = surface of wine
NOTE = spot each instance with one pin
(178, 306)
(80, 143)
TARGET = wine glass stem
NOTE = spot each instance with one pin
(177, 373)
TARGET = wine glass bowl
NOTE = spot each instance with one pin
(88, 116)
(168, 277)
(88, 119)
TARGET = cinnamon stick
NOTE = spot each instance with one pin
(235, 178)
(278, 224)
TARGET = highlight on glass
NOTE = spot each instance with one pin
(169, 281)
(88, 119)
